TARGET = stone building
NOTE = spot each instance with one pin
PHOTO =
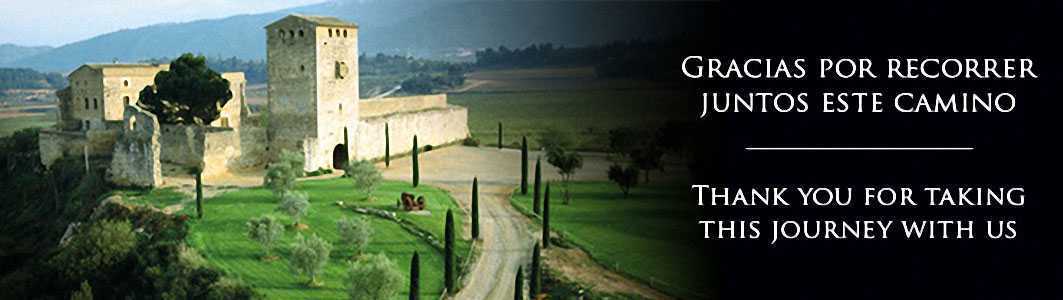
(313, 87)
(313, 109)
(100, 92)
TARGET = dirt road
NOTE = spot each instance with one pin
(507, 236)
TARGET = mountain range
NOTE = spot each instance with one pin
(422, 28)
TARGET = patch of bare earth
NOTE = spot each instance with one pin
(576, 266)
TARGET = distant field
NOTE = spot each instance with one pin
(636, 235)
(221, 236)
(9, 125)
(542, 79)
(587, 114)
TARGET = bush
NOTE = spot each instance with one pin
(471, 142)
(100, 246)
(365, 175)
(295, 205)
(626, 178)
(319, 172)
(281, 175)
(373, 277)
(355, 232)
(266, 231)
(428, 148)
(309, 255)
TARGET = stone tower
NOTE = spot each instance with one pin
(313, 88)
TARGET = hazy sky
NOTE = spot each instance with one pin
(57, 22)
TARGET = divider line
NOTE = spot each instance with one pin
(859, 148)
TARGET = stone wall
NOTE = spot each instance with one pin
(369, 108)
(231, 113)
(55, 144)
(433, 127)
(217, 148)
(135, 161)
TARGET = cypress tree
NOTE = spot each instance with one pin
(387, 146)
(536, 273)
(448, 253)
(199, 193)
(475, 209)
(499, 135)
(415, 276)
(538, 186)
(524, 165)
(416, 169)
(518, 284)
(546, 217)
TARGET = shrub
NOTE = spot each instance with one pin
(626, 178)
(295, 205)
(280, 176)
(266, 231)
(471, 142)
(355, 232)
(101, 246)
(566, 162)
(319, 172)
(309, 255)
(373, 277)
(85, 293)
(365, 175)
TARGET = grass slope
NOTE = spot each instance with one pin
(221, 236)
(636, 235)
(587, 114)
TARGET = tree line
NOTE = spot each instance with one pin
(21, 78)
(642, 59)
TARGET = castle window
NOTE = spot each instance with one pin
(341, 107)
(300, 33)
(330, 32)
(291, 33)
(86, 103)
(126, 100)
(345, 33)
(95, 103)
(302, 68)
(125, 83)
(341, 70)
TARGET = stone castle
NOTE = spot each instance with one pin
(313, 109)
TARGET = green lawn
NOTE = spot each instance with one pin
(221, 237)
(13, 124)
(157, 198)
(636, 235)
(587, 114)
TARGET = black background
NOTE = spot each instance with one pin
(1016, 148)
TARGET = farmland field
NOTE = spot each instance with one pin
(587, 114)
(9, 125)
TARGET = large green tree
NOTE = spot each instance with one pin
(189, 93)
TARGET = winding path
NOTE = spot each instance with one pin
(506, 235)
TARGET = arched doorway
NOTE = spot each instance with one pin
(339, 157)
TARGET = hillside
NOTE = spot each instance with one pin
(12, 52)
(435, 29)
